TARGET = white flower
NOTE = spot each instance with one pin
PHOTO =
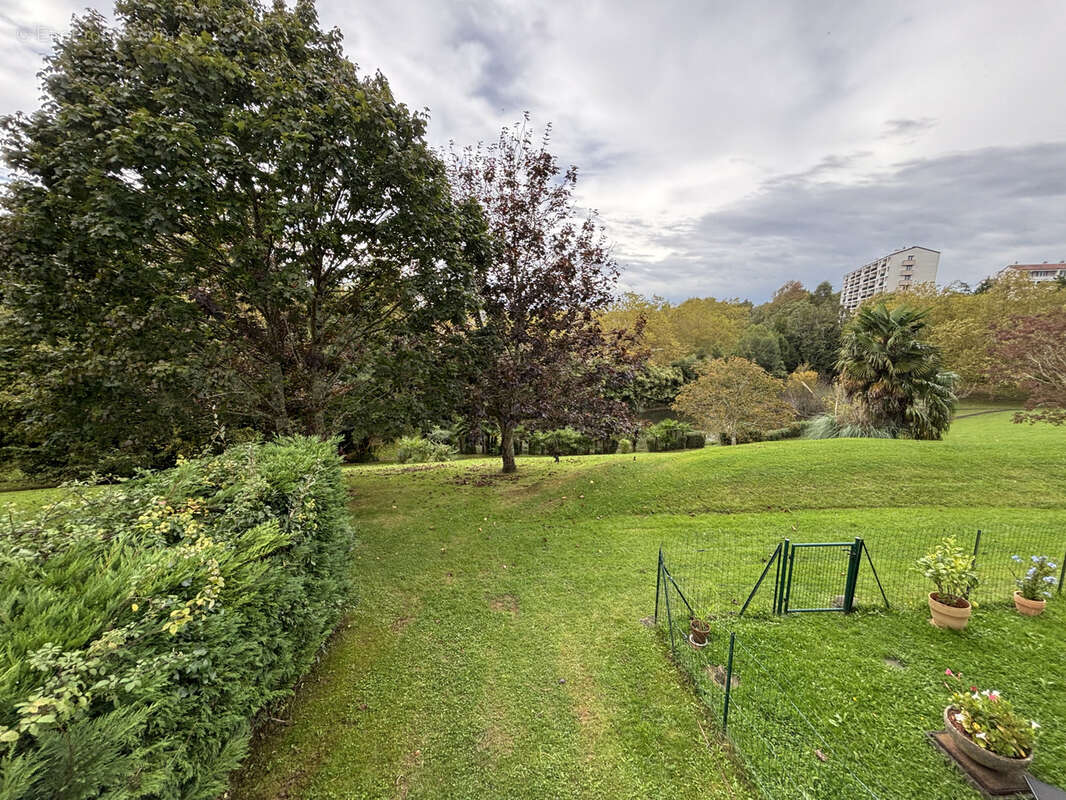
(1034, 723)
(981, 735)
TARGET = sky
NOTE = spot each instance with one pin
(729, 147)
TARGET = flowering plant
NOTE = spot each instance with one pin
(992, 723)
(1039, 579)
(950, 568)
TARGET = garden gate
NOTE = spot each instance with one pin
(815, 576)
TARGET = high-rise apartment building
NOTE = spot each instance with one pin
(896, 272)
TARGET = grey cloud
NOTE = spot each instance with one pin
(982, 209)
(908, 128)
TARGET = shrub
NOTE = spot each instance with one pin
(625, 446)
(829, 427)
(695, 440)
(562, 441)
(667, 435)
(951, 570)
(417, 450)
(146, 624)
(793, 431)
(744, 435)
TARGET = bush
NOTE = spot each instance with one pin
(829, 427)
(744, 436)
(417, 450)
(625, 446)
(562, 441)
(695, 440)
(667, 435)
(146, 624)
(793, 431)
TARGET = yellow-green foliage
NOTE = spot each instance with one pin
(964, 325)
(143, 626)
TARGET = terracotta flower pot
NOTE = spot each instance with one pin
(1028, 607)
(699, 631)
(975, 752)
(945, 616)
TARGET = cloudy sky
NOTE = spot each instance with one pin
(727, 146)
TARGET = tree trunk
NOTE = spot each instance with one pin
(732, 438)
(507, 447)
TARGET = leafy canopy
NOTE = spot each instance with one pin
(732, 394)
(544, 359)
(214, 214)
(894, 375)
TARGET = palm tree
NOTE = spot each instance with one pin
(894, 375)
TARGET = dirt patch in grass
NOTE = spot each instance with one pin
(585, 715)
(411, 762)
(401, 623)
(717, 673)
(495, 741)
(505, 603)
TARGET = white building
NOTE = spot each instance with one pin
(896, 272)
(1038, 272)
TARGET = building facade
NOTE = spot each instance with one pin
(896, 272)
(1038, 272)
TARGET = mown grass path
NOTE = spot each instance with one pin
(497, 650)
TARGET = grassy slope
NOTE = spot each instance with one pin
(496, 650)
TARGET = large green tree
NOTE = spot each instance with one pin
(733, 394)
(894, 375)
(214, 215)
(808, 325)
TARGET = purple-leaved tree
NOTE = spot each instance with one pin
(546, 361)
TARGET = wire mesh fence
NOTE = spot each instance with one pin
(789, 751)
(894, 556)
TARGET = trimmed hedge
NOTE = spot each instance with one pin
(793, 430)
(146, 624)
(694, 441)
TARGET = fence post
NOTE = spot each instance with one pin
(777, 578)
(728, 682)
(669, 616)
(787, 594)
(854, 560)
(1062, 572)
(779, 599)
(658, 582)
(976, 547)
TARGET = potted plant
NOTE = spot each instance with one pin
(699, 631)
(951, 570)
(989, 731)
(1034, 587)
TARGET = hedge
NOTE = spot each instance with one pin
(143, 626)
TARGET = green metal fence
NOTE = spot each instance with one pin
(755, 709)
(718, 577)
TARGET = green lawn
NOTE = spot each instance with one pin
(497, 648)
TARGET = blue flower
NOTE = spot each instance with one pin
(1017, 559)
(1051, 579)
(1036, 559)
